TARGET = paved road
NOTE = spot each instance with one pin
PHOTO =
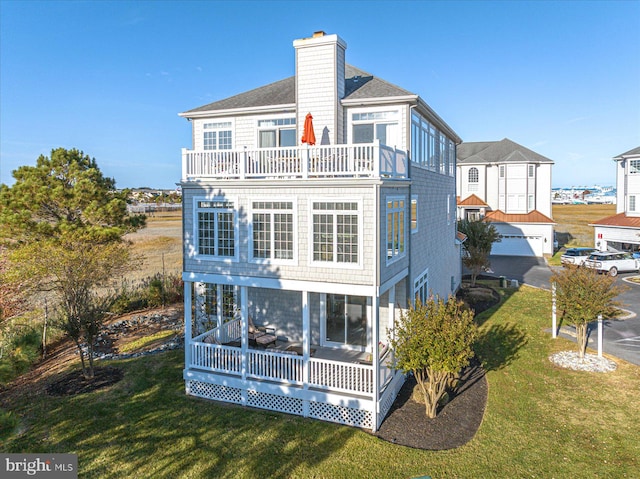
(621, 338)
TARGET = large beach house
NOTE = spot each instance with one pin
(510, 186)
(621, 232)
(315, 209)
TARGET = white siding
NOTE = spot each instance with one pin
(319, 62)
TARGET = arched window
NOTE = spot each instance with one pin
(473, 175)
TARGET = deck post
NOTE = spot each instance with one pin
(184, 164)
(375, 355)
(306, 349)
(187, 323)
(244, 339)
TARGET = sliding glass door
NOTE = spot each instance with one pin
(346, 320)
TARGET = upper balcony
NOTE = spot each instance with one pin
(360, 160)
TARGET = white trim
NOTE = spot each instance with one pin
(388, 284)
(240, 111)
(281, 284)
(406, 228)
(417, 228)
(236, 229)
(360, 214)
(294, 212)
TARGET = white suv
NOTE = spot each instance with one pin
(576, 256)
(611, 263)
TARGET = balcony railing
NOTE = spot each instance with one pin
(326, 161)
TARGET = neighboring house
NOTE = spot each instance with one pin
(298, 258)
(509, 185)
(621, 232)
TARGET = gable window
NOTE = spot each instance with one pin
(395, 228)
(414, 214)
(277, 132)
(217, 136)
(375, 125)
(335, 231)
(216, 228)
(273, 230)
(634, 167)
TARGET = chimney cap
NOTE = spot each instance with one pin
(319, 33)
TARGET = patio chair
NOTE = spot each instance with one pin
(259, 337)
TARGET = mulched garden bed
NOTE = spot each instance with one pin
(75, 383)
(455, 424)
(457, 421)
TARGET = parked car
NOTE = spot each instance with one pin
(612, 263)
(576, 256)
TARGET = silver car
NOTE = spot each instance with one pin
(612, 263)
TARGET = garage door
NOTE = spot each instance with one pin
(515, 245)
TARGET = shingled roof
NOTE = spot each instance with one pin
(358, 85)
(472, 200)
(634, 152)
(621, 219)
(503, 151)
(532, 217)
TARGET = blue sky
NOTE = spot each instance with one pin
(561, 78)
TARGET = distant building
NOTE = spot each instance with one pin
(621, 231)
(510, 186)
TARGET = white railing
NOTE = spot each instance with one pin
(339, 376)
(217, 358)
(274, 366)
(283, 368)
(353, 160)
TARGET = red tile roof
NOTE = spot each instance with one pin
(621, 219)
(533, 217)
(472, 200)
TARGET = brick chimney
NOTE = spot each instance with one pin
(320, 64)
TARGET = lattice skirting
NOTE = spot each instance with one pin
(341, 414)
(389, 396)
(214, 391)
(273, 402)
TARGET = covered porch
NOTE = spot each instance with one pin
(311, 369)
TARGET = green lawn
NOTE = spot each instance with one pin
(540, 421)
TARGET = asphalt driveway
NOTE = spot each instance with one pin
(621, 337)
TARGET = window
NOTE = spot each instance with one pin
(531, 203)
(473, 175)
(421, 287)
(217, 136)
(532, 169)
(414, 214)
(448, 209)
(395, 228)
(501, 171)
(273, 230)
(277, 132)
(216, 228)
(214, 304)
(634, 167)
(632, 203)
(335, 232)
(375, 125)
